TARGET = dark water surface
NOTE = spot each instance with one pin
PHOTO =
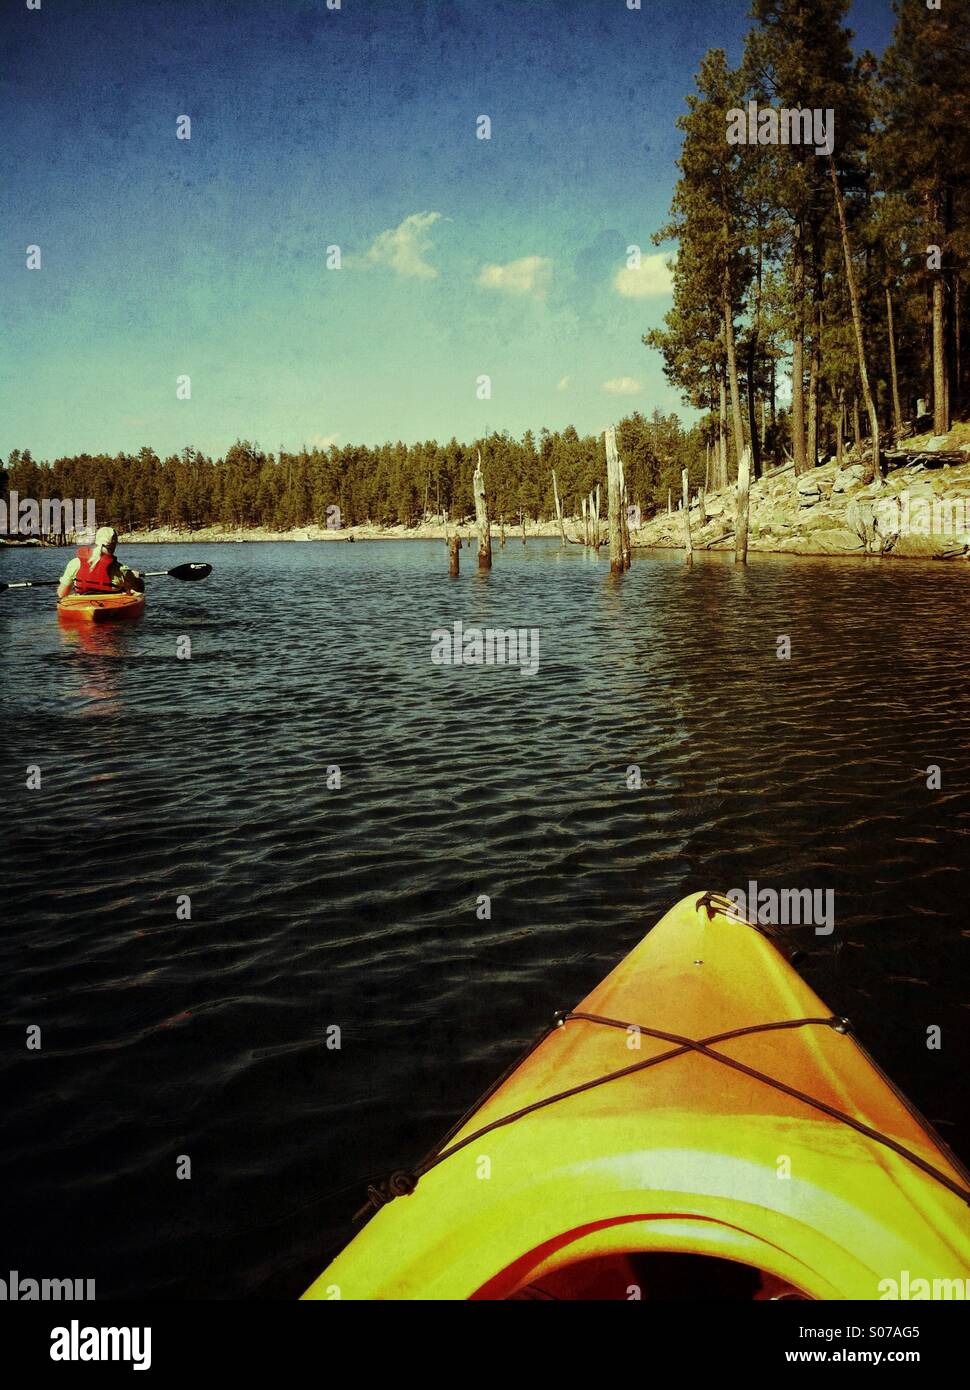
(355, 907)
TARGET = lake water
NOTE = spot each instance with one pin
(314, 907)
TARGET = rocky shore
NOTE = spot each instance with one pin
(921, 510)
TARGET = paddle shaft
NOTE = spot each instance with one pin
(194, 569)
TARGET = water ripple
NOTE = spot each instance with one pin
(359, 906)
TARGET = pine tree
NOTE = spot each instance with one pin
(926, 156)
(712, 269)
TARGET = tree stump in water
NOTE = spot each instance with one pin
(741, 522)
(614, 503)
(625, 522)
(481, 517)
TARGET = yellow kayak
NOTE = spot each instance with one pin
(699, 1126)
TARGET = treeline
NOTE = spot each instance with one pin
(846, 269)
(387, 485)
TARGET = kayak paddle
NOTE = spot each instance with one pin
(194, 569)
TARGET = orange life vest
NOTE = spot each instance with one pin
(94, 578)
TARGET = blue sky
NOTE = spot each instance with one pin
(357, 128)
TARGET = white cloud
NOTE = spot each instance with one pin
(532, 275)
(563, 383)
(622, 386)
(404, 248)
(322, 441)
(653, 278)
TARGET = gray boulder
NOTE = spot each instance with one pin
(835, 540)
(848, 477)
(808, 491)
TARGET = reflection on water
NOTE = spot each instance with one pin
(97, 676)
(204, 782)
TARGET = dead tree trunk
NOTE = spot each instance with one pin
(625, 521)
(741, 521)
(688, 549)
(614, 503)
(454, 545)
(625, 518)
(481, 517)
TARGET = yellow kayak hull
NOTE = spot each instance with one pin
(685, 1156)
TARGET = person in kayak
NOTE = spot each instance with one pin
(96, 570)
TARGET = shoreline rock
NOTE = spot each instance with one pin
(914, 513)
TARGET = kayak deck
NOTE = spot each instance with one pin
(101, 608)
(740, 1122)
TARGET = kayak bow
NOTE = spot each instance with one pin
(701, 1110)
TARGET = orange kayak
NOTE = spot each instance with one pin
(101, 608)
(700, 1126)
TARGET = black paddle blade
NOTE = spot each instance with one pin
(193, 570)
